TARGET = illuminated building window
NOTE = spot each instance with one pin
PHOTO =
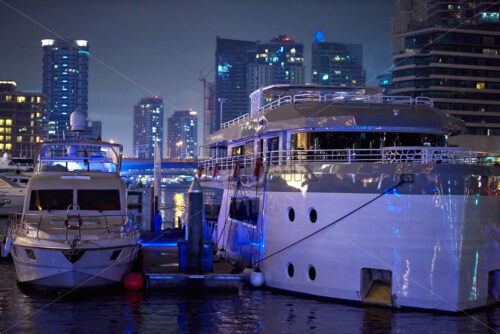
(2, 138)
(8, 146)
(32, 115)
(354, 81)
(8, 138)
(2, 146)
(8, 130)
(32, 123)
(337, 72)
(21, 99)
(19, 139)
(8, 122)
(37, 114)
(480, 85)
(37, 139)
(2, 121)
(2, 130)
(8, 98)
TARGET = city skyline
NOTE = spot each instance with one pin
(131, 59)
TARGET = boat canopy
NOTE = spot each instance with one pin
(78, 156)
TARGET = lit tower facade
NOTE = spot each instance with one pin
(231, 64)
(281, 61)
(148, 127)
(183, 134)
(65, 82)
(22, 120)
(337, 64)
(453, 57)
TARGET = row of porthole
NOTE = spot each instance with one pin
(311, 271)
(312, 214)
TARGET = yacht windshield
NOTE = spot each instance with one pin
(99, 199)
(51, 199)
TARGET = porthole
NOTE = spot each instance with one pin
(313, 215)
(291, 214)
(311, 272)
(290, 269)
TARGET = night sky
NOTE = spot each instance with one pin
(159, 47)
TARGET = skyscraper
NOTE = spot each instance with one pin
(244, 66)
(280, 61)
(453, 58)
(231, 91)
(65, 82)
(183, 134)
(22, 120)
(337, 64)
(148, 126)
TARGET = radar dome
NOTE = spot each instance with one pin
(78, 121)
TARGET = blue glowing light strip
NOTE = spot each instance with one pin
(154, 244)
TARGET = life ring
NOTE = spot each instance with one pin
(73, 227)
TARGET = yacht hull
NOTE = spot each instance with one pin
(50, 268)
(433, 243)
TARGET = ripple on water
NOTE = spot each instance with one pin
(113, 310)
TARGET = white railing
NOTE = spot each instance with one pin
(53, 226)
(332, 98)
(233, 121)
(420, 155)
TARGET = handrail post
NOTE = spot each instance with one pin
(349, 155)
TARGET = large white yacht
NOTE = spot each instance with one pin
(344, 193)
(74, 230)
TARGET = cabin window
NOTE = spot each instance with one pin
(273, 144)
(374, 140)
(51, 199)
(244, 209)
(248, 147)
(99, 199)
(237, 150)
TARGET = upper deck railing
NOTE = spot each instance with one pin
(387, 155)
(93, 227)
(78, 156)
(331, 98)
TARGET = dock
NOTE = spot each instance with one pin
(160, 266)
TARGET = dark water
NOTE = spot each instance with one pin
(116, 311)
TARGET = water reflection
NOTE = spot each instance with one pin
(173, 206)
(116, 311)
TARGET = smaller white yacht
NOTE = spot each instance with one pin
(74, 229)
(11, 196)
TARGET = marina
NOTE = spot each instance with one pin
(242, 166)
